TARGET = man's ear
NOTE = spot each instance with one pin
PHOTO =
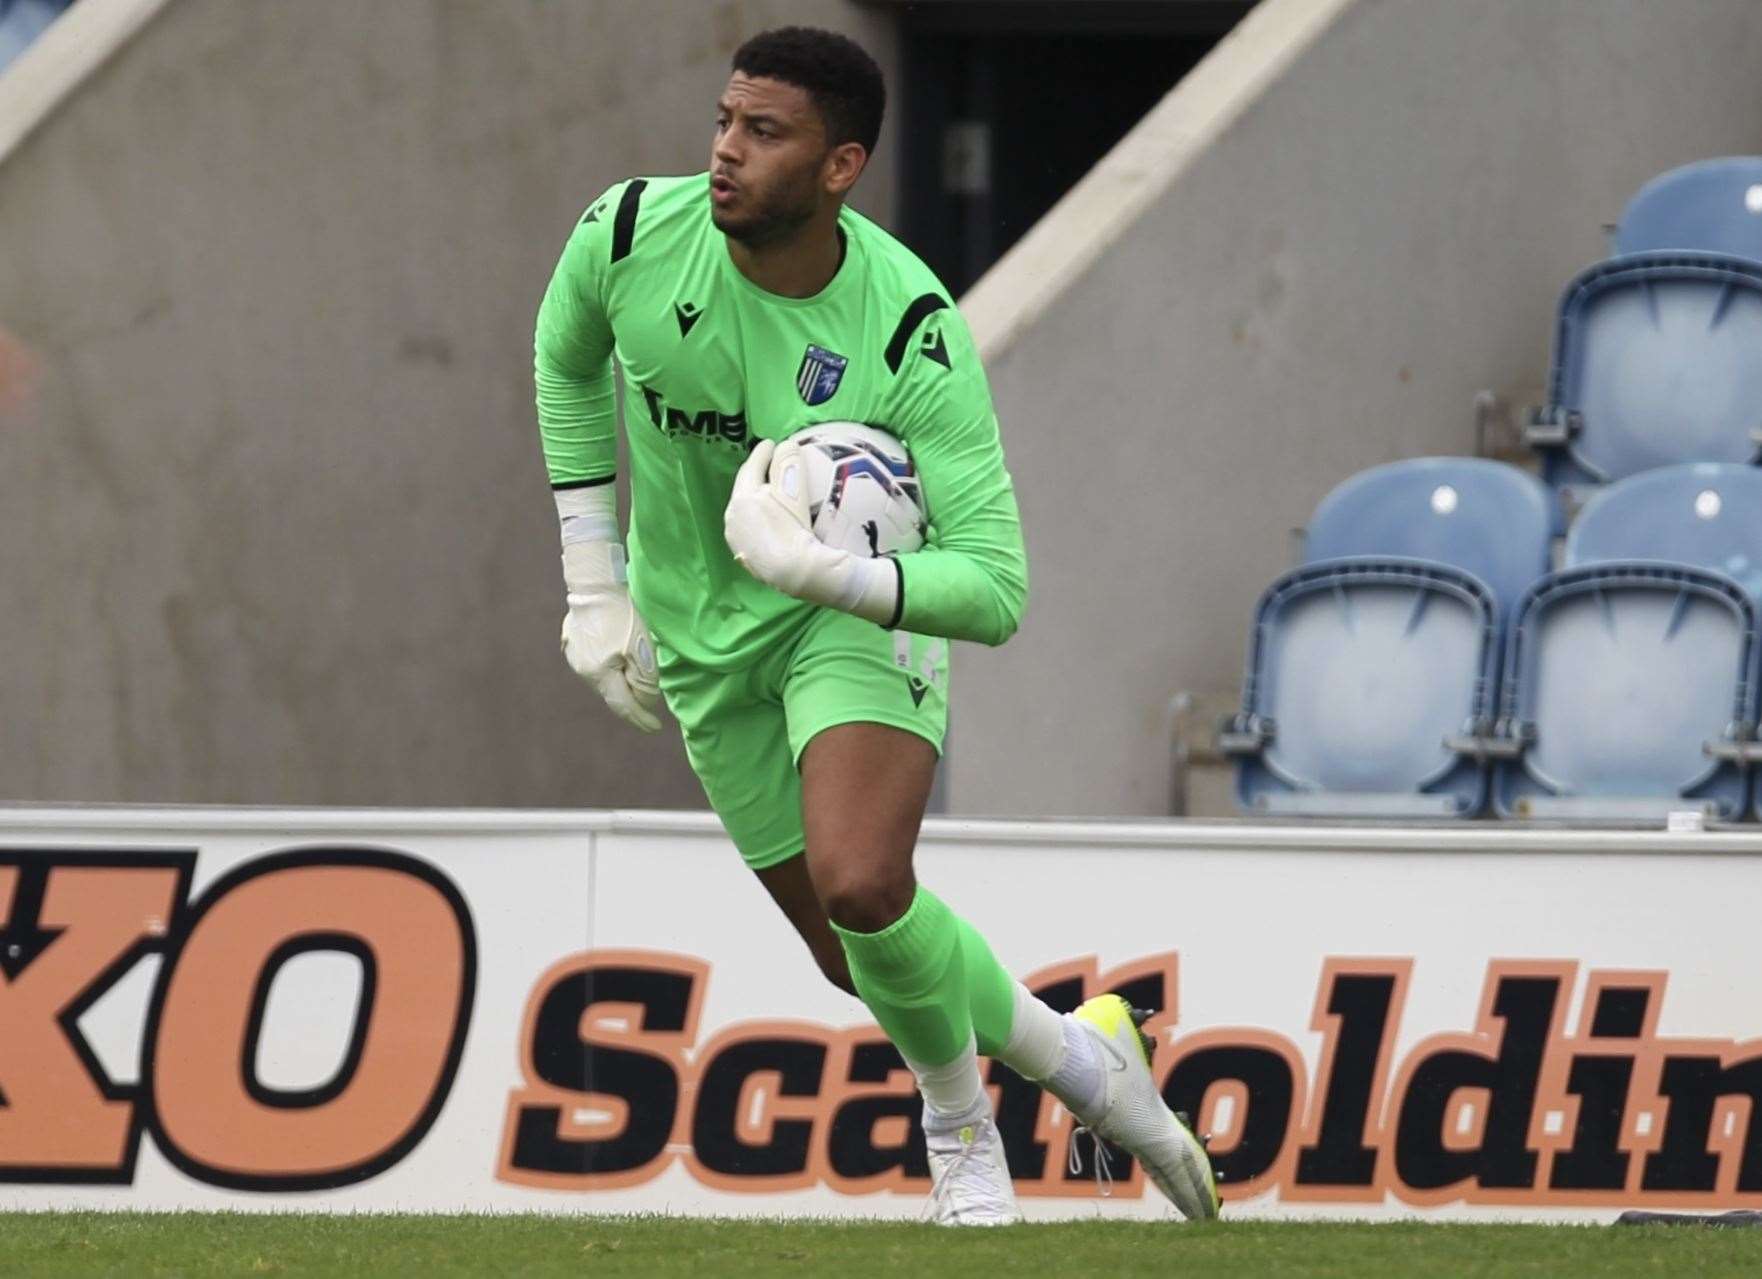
(844, 164)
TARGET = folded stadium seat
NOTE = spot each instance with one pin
(1371, 668)
(1630, 678)
(1655, 363)
(1712, 206)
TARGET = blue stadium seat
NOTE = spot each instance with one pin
(1631, 676)
(1655, 363)
(1371, 668)
(1707, 515)
(1487, 518)
(1713, 206)
(22, 21)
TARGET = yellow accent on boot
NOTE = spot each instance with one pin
(1109, 1014)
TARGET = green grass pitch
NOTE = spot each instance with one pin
(141, 1244)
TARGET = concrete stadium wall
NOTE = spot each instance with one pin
(1351, 218)
(274, 526)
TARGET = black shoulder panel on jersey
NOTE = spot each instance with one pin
(624, 224)
(927, 304)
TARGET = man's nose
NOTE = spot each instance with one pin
(725, 150)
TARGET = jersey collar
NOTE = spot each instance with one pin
(840, 283)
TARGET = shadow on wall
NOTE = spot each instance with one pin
(980, 82)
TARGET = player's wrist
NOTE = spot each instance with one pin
(587, 514)
(873, 591)
(593, 568)
(593, 557)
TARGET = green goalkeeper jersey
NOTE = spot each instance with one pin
(712, 363)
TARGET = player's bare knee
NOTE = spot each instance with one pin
(864, 901)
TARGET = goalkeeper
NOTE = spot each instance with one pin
(811, 685)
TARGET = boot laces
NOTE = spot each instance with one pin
(967, 1181)
(1103, 1161)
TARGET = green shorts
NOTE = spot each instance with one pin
(745, 730)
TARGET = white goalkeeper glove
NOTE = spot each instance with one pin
(604, 638)
(768, 530)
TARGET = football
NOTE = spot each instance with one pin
(863, 490)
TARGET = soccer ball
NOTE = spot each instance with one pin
(863, 490)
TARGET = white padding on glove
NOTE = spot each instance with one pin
(768, 530)
(604, 638)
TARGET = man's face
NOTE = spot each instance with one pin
(767, 161)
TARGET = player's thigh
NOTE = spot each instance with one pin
(867, 713)
(738, 745)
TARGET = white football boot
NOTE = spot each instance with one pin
(1133, 1115)
(969, 1178)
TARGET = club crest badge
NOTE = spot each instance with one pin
(819, 375)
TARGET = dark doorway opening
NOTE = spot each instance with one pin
(1006, 104)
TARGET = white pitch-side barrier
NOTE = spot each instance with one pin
(585, 1012)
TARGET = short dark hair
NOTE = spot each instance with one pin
(839, 76)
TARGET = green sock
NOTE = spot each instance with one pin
(991, 992)
(931, 982)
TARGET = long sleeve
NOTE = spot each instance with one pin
(970, 582)
(572, 358)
